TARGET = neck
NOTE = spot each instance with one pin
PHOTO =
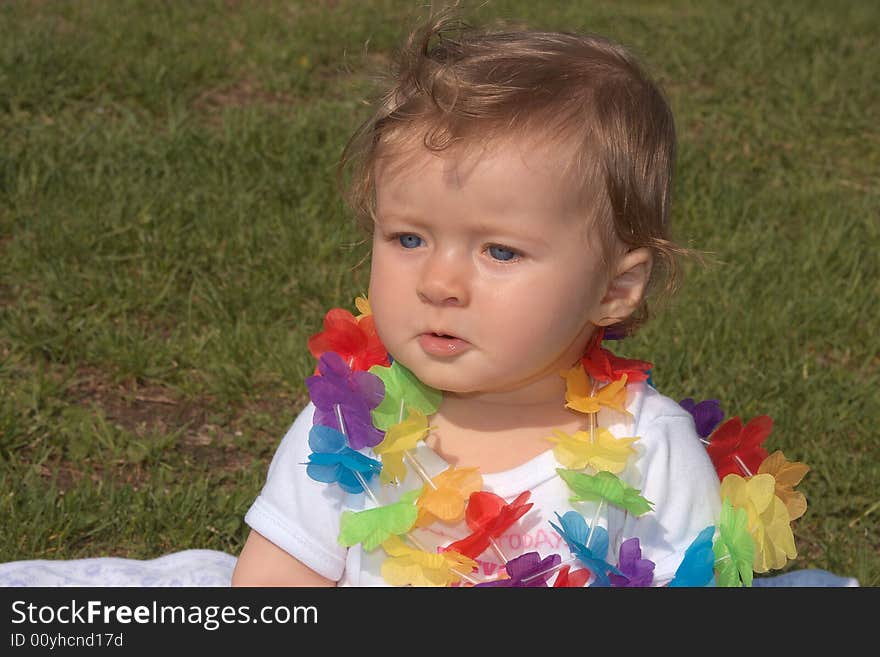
(544, 393)
(538, 405)
(499, 429)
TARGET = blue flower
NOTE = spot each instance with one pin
(697, 568)
(575, 531)
(332, 460)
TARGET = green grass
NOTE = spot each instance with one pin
(171, 235)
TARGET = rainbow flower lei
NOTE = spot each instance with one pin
(363, 400)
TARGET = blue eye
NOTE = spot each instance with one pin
(409, 241)
(502, 254)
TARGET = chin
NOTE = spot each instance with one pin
(435, 377)
(445, 385)
(436, 380)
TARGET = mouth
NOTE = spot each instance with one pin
(443, 345)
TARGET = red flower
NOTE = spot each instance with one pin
(602, 365)
(736, 449)
(489, 516)
(356, 341)
(577, 579)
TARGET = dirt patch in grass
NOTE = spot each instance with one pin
(133, 404)
(243, 93)
(225, 442)
(7, 298)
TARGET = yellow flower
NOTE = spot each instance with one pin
(769, 523)
(577, 452)
(398, 439)
(579, 392)
(787, 474)
(407, 566)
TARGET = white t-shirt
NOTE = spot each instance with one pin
(671, 469)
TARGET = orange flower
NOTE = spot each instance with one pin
(446, 501)
(579, 394)
(787, 474)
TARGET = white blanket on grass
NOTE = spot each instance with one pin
(213, 568)
(186, 568)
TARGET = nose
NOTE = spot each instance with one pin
(444, 280)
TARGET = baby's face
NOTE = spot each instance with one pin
(483, 277)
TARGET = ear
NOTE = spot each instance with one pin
(626, 289)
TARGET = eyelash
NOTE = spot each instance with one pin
(396, 237)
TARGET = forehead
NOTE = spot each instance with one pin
(506, 175)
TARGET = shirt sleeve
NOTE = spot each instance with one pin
(296, 513)
(676, 474)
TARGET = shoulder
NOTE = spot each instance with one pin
(658, 418)
(673, 460)
(648, 406)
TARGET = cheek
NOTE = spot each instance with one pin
(379, 279)
(539, 317)
(385, 295)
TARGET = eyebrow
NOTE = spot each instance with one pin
(401, 217)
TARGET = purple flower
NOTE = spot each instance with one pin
(636, 571)
(615, 332)
(527, 570)
(707, 414)
(355, 394)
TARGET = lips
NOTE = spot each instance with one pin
(443, 345)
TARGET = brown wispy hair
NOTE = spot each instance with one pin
(454, 85)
